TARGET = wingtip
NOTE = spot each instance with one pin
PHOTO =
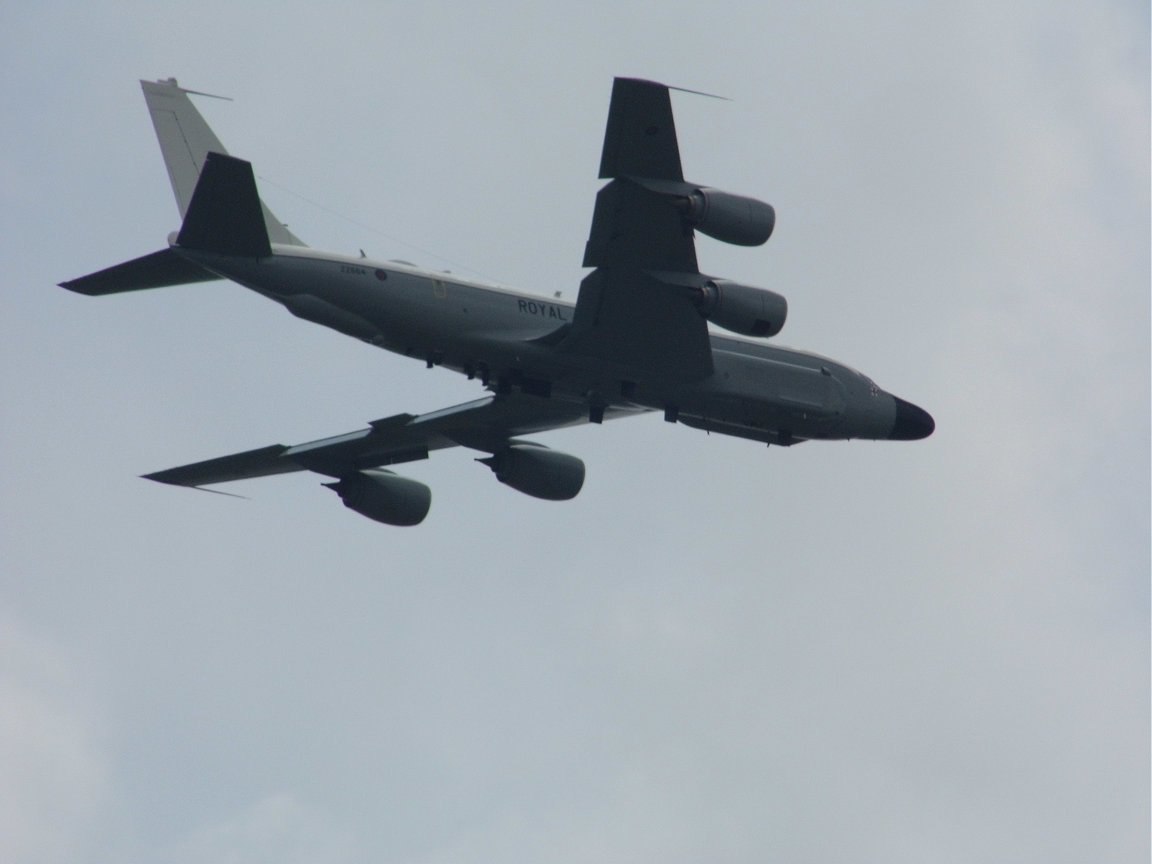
(650, 83)
(158, 477)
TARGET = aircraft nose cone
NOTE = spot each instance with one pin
(912, 422)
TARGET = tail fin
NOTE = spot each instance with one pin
(224, 214)
(185, 141)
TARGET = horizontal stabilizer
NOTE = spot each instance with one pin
(158, 270)
(224, 215)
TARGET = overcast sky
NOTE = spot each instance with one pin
(930, 651)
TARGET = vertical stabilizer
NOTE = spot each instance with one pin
(224, 215)
(186, 140)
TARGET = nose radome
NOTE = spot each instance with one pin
(912, 422)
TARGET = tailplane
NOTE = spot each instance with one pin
(158, 270)
(185, 141)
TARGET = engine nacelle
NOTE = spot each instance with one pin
(384, 496)
(729, 218)
(742, 308)
(537, 471)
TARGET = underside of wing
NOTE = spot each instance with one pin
(632, 227)
(489, 425)
(642, 321)
(624, 313)
(640, 138)
(644, 310)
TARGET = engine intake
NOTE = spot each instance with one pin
(537, 471)
(384, 496)
(742, 308)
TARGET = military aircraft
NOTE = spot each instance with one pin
(636, 340)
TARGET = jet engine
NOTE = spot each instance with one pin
(384, 496)
(729, 218)
(537, 471)
(723, 216)
(742, 308)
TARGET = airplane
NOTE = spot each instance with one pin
(636, 340)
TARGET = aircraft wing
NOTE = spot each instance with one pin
(486, 424)
(636, 308)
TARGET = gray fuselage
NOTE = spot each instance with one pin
(756, 390)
